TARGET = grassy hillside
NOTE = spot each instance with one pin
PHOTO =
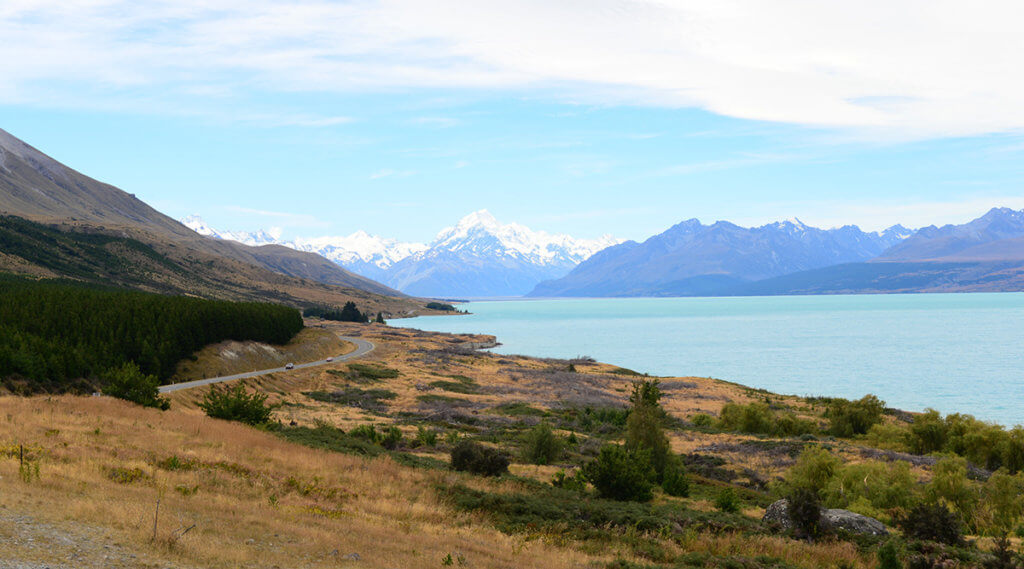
(130, 260)
(37, 187)
(356, 461)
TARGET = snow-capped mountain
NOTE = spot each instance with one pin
(478, 256)
(481, 257)
(254, 238)
(695, 259)
(361, 253)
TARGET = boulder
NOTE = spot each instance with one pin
(852, 522)
(835, 519)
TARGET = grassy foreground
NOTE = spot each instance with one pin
(354, 471)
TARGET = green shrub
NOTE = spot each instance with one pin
(889, 555)
(727, 501)
(702, 420)
(542, 446)
(805, 512)
(425, 436)
(365, 432)
(618, 474)
(813, 470)
(368, 371)
(574, 482)
(751, 418)
(470, 456)
(1002, 501)
(391, 438)
(234, 404)
(927, 433)
(129, 383)
(644, 434)
(758, 418)
(675, 482)
(888, 436)
(949, 482)
(848, 418)
(883, 485)
(932, 521)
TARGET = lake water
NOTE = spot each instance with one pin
(952, 352)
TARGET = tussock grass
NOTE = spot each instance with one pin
(256, 499)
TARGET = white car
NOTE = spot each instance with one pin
(289, 366)
(330, 359)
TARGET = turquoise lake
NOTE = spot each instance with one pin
(952, 352)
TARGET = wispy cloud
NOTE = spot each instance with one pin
(388, 173)
(870, 67)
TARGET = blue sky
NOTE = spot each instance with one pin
(398, 118)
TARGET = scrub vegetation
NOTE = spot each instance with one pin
(427, 454)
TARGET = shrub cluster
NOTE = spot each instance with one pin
(542, 446)
(473, 457)
(236, 404)
(759, 418)
(849, 418)
(129, 383)
(348, 313)
(630, 471)
(932, 521)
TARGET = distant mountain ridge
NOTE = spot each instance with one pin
(691, 258)
(478, 256)
(38, 188)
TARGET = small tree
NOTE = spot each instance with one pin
(234, 404)
(727, 501)
(379, 319)
(932, 521)
(805, 512)
(674, 481)
(129, 383)
(644, 431)
(618, 474)
(349, 313)
(542, 446)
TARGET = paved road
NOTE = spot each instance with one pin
(362, 348)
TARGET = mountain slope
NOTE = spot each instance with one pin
(477, 257)
(995, 235)
(983, 255)
(36, 187)
(695, 259)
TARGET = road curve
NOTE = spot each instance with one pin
(363, 347)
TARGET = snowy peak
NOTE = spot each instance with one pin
(478, 256)
(359, 247)
(255, 238)
(482, 234)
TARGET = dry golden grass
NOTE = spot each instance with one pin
(257, 501)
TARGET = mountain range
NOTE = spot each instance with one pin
(58, 222)
(691, 259)
(477, 257)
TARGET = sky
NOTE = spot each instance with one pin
(587, 117)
